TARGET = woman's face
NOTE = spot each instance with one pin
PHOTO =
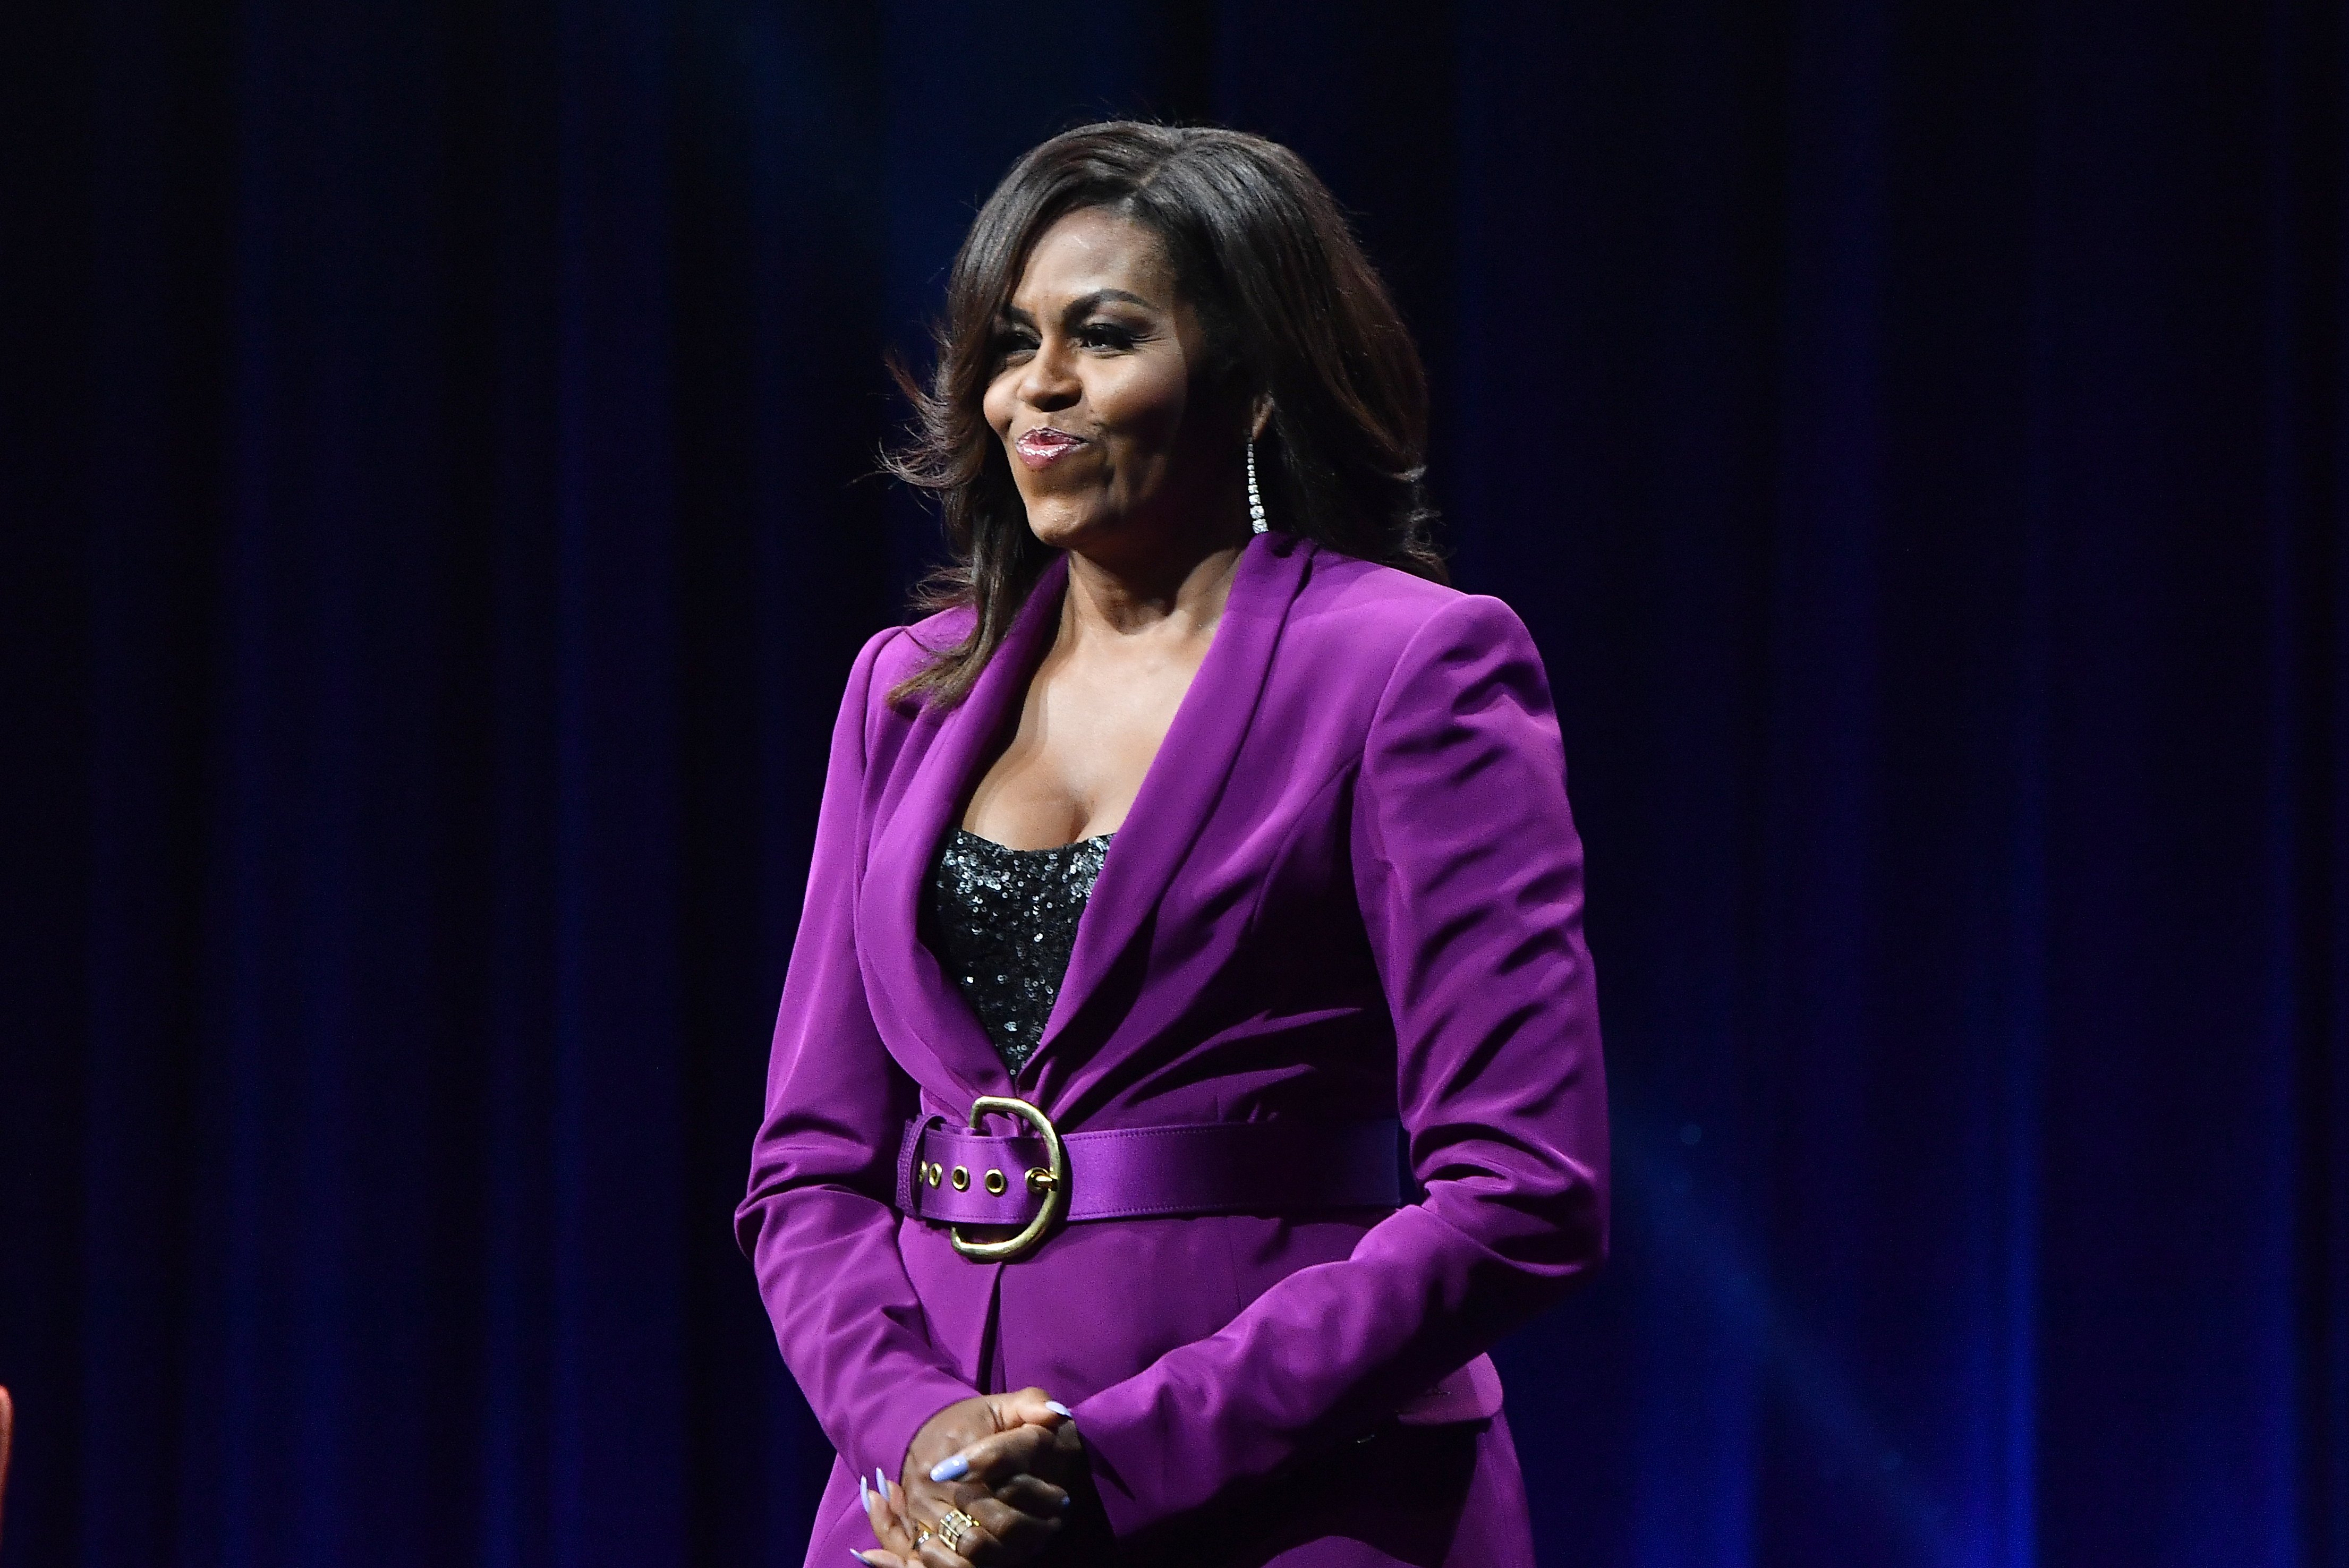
(1099, 396)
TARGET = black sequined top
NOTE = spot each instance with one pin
(1005, 921)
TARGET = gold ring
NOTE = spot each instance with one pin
(953, 1528)
(1052, 1182)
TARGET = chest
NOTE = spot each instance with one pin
(1089, 724)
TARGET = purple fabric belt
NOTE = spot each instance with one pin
(1283, 1167)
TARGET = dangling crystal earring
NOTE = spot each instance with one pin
(1255, 497)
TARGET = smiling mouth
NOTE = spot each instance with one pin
(1044, 444)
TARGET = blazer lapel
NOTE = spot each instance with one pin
(913, 1000)
(1187, 776)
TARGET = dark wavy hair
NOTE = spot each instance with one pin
(1289, 308)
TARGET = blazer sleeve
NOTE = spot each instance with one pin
(818, 1222)
(1468, 872)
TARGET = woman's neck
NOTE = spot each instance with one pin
(1183, 596)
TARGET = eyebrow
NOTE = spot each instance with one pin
(1084, 303)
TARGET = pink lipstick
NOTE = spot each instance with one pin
(1044, 445)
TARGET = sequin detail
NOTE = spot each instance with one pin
(1006, 921)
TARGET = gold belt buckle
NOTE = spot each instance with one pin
(1051, 1179)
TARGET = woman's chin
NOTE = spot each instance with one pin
(1066, 527)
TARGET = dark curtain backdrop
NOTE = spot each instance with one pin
(438, 520)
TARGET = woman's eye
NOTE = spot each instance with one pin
(1012, 346)
(1104, 334)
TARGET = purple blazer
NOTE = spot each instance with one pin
(1350, 888)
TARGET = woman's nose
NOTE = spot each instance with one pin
(1051, 382)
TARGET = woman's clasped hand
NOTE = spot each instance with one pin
(988, 1481)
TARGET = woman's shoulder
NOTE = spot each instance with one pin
(1373, 612)
(1367, 645)
(887, 659)
(894, 653)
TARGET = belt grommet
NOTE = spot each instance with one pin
(994, 1183)
(961, 1178)
(937, 1172)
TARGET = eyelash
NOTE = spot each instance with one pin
(1093, 335)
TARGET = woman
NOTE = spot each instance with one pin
(1198, 679)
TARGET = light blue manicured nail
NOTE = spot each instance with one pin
(953, 1468)
(882, 1481)
(865, 1496)
(1059, 1409)
(860, 1557)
